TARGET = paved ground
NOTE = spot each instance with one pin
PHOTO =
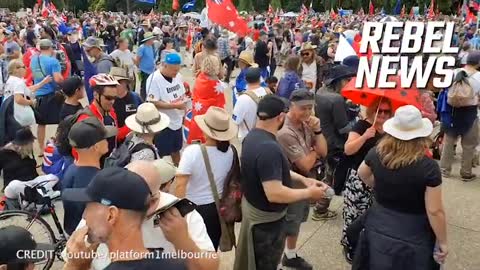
(319, 241)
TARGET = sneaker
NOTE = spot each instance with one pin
(468, 177)
(324, 216)
(296, 263)
(445, 173)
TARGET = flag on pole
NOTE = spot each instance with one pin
(175, 5)
(431, 10)
(398, 7)
(371, 9)
(224, 13)
(189, 6)
(333, 15)
(402, 13)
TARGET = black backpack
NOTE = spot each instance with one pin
(122, 155)
(61, 137)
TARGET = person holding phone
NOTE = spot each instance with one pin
(165, 89)
(408, 217)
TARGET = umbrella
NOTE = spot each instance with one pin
(368, 96)
(193, 15)
(290, 14)
(388, 19)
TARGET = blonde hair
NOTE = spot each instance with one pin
(211, 65)
(14, 65)
(372, 109)
(395, 153)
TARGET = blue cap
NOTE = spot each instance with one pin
(173, 59)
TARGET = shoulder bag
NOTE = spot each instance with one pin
(227, 239)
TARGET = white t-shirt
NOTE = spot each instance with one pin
(246, 109)
(309, 73)
(154, 237)
(15, 85)
(192, 163)
(159, 89)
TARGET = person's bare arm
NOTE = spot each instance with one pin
(57, 77)
(39, 85)
(366, 175)
(436, 213)
(181, 182)
(21, 100)
(175, 229)
(305, 164)
(321, 147)
(136, 60)
(168, 106)
(276, 192)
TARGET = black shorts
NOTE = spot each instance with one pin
(48, 109)
(168, 141)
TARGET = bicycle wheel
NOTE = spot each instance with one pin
(37, 226)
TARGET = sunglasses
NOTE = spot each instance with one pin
(110, 98)
(305, 54)
(384, 111)
(19, 67)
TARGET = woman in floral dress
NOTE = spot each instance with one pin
(364, 136)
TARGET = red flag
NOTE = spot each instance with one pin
(224, 13)
(207, 93)
(371, 8)
(431, 11)
(175, 5)
(333, 15)
(402, 12)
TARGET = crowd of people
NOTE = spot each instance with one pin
(301, 141)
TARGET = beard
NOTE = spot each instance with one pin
(97, 236)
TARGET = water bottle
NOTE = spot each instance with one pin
(329, 193)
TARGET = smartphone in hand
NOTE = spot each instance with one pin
(184, 206)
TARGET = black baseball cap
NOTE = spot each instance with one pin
(113, 186)
(302, 97)
(271, 106)
(70, 85)
(252, 75)
(88, 132)
(18, 246)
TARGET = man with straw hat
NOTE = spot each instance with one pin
(311, 67)
(127, 101)
(245, 60)
(145, 61)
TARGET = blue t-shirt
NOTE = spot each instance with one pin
(47, 65)
(75, 177)
(147, 59)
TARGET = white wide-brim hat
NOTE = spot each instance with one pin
(147, 120)
(408, 124)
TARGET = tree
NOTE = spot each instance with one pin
(245, 5)
(276, 4)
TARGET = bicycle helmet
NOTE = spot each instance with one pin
(103, 80)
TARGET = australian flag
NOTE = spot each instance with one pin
(189, 6)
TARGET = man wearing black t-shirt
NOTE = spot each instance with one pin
(74, 91)
(116, 204)
(267, 189)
